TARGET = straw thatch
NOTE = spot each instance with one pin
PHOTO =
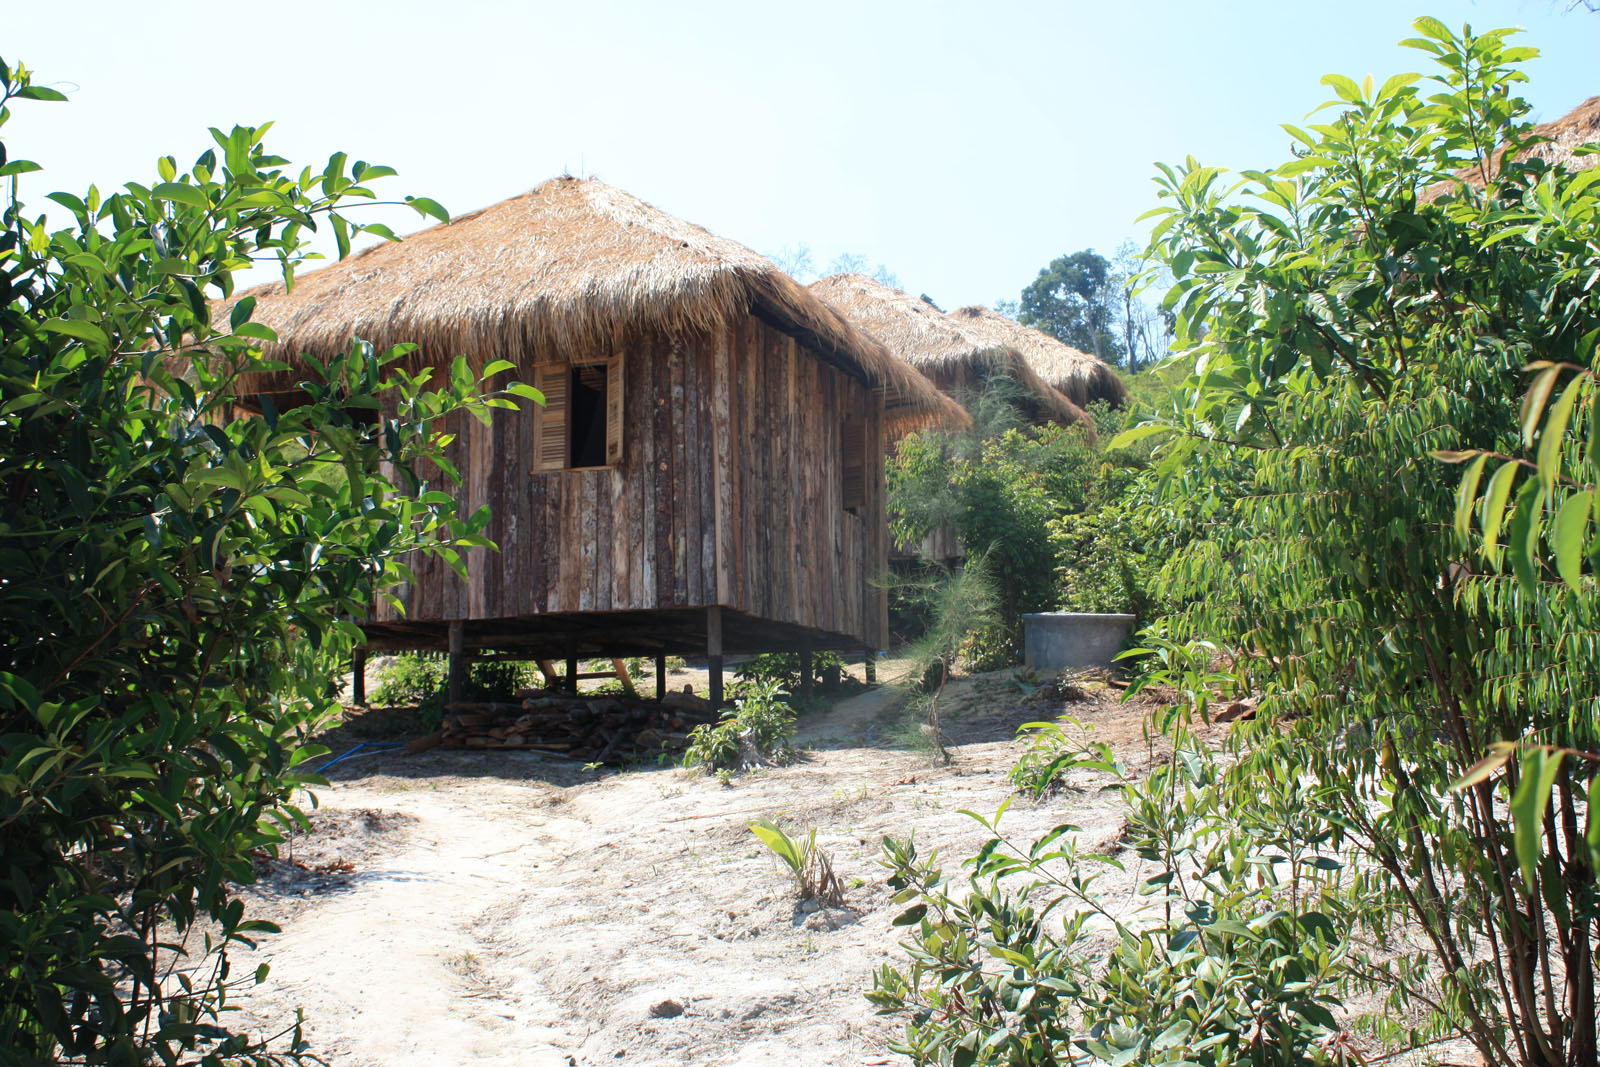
(1078, 375)
(563, 271)
(938, 346)
(1561, 140)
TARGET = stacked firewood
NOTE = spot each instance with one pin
(595, 728)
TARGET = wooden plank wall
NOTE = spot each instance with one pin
(729, 492)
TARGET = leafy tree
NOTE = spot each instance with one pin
(179, 578)
(1075, 301)
(1146, 331)
(1360, 307)
(1350, 315)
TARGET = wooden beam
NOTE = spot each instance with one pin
(661, 677)
(807, 675)
(572, 670)
(870, 663)
(458, 661)
(624, 677)
(714, 653)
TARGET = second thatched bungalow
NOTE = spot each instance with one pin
(958, 360)
(1077, 375)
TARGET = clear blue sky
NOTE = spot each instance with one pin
(962, 145)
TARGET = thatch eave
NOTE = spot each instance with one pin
(567, 270)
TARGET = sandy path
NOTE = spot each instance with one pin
(532, 914)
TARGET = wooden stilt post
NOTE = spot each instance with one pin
(661, 677)
(807, 674)
(358, 677)
(572, 669)
(870, 662)
(714, 653)
(458, 661)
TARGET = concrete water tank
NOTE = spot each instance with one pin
(1056, 640)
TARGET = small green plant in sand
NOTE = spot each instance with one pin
(1052, 750)
(810, 865)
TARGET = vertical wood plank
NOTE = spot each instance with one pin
(726, 500)
(694, 459)
(662, 474)
(678, 430)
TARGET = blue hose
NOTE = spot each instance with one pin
(358, 748)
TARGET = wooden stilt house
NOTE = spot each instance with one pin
(706, 475)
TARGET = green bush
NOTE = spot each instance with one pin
(1051, 752)
(178, 576)
(1409, 819)
(1222, 957)
(761, 720)
(1051, 512)
(422, 680)
(1338, 358)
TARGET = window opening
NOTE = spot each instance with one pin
(580, 423)
(853, 463)
(586, 415)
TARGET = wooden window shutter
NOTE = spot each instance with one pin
(614, 411)
(550, 421)
(853, 462)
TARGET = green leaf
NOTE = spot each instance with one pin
(1554, 434)
(1134, 434)
(83, 331)
(1395, 83)
(1591, 834)
(182, 193)
(39, 92)
(428, 208)
(495, 367)
(527, 392)
(1494, 507)
(1467, 496)
(1522, 534)
(241, 312)
(1570, 535)
(1539, 769)
(1347, 89)
(1432, 27)
(1533, 403)
(19, 166)
(1499, 752)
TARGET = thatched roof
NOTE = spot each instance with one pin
(937, 345)
(561, 271)
(1080, 376)
(1562, 138)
